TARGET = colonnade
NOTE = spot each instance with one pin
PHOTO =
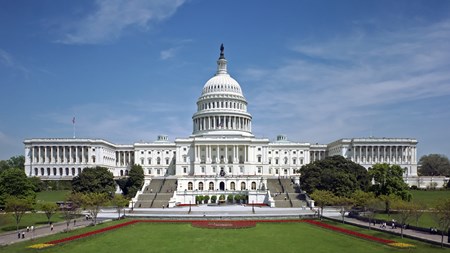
(60, 154)
(316, 155)
(221, 154)
(222, 122)
(384, 154)
(124, 158)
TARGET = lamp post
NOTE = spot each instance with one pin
(253, 206)
(189, 207)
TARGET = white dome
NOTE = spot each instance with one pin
(222, 83)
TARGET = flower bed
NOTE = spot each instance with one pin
(350, 232)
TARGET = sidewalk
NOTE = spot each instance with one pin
(40, 231)
(414, 234)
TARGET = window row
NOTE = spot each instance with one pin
(211, 186)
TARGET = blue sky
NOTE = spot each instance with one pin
(316, 71)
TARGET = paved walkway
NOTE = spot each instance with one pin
(40, 231)
(425, 236)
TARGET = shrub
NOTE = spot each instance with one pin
(213, 199)
(230, 198)
(206, 199)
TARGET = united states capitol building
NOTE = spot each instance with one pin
(220, 157)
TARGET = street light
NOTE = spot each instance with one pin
(189, 207)
(253, 206)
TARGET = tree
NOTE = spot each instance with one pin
(120, 202)
(389, 181)
(18, 206)
(37, 183)
(92, 201)
(323, 198)
(206, 199)
(336, 174)
(134, 181)
(49, 208)
(71, 207)
(434, 165)
(442, 217)
(17, 162)
(98, 179)
(373, 205)
(14, 182)
(345, 205)
(417, 211)
(405, 211)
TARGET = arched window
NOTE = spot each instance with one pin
(285, 160)
(200, 186)
(67, 171)
(253, 185)
(211, 186)
(42, 171)
(242, 186)
(121, 172)
(36, 171)
(48, 171)
(190, 186)
(79, 171)
(54, 171)
(60, 171)
(158, 160)
(232, 186)
(149, 160)
(126, 172)
(73, 171)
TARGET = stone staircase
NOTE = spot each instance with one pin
(285, 193)
(157, 194)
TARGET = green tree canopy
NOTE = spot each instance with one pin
(98, 179)
(442, 217)
(13, 162)
(18, 206)
(389, 181)
(14, 182)
(336, 174)
(434, 165)
(134, 181)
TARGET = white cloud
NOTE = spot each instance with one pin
(112, 17)
(169, 53)
(343, 86)
(8, 61)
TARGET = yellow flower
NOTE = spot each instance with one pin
(401, 245)
(40, 246)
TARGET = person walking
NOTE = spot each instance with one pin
(51, 227)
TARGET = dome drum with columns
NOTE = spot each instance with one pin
(220, 157)
(222, 107)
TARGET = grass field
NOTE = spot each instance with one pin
(52, 196)
(265, 237)
(430, 198)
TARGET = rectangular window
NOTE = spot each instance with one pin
(259, 159)
(184, 169)
(203, 169)
(259, 170)
(241, 169)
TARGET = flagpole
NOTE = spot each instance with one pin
(73, 123)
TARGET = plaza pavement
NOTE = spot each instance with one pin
(211, 212)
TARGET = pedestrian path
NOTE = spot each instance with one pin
(40, 231)
(420, 235)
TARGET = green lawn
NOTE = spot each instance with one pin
(430, 198)
(52, 196)
(183, 238)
